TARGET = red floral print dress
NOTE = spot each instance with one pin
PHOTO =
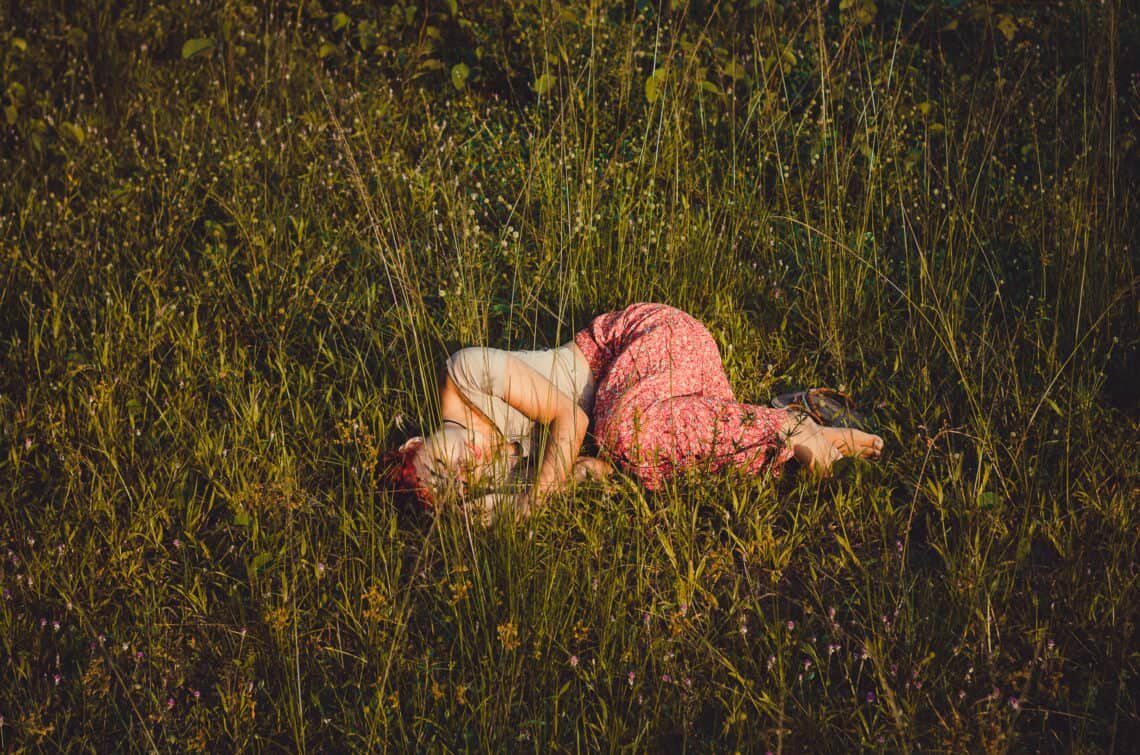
(663, 403)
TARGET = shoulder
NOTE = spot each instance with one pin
(477, 367)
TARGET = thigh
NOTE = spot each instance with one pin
(657, 352)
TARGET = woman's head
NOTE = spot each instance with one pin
(447, 460)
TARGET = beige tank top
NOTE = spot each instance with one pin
(479, 374)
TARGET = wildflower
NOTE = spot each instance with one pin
(508, 636)
(177, 543)
(573, 661)
(871, 697)
(197, 694)
(831, 613)
(170, 702)
(57, 678)
(631, 677)
(771, 662)
(807, 664)
(791, 625)
(666, 678)
(1014, 703)
(832, 648)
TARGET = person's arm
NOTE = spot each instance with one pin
(540, 401)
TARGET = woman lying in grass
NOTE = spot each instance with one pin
(650, 378)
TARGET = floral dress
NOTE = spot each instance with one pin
(663, 403)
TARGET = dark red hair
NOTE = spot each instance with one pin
(398, 472)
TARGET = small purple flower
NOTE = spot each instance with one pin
(666, 678)
(871, 697)
(631, 677)
(57, 678)
(807, 664)
(791, 625)
(138, 655)
(177, 543)
(573, 661)
(1014, 703)
(197, 694)
(170, 702)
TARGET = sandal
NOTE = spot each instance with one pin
(826, 406)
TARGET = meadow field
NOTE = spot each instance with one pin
(238, 239)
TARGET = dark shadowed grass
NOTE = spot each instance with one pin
(230, 277)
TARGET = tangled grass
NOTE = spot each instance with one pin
(238, 240)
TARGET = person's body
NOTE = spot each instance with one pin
(651, 380)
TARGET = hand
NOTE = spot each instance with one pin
(591, 468)
(818, 447)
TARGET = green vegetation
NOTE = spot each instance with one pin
(237, 239)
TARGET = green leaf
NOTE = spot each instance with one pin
(260, 561)
(712, 88)
(459, 74)
(733, 70)
(10, 114)
(543, 84)
(655, 84)
(453, 7)
(989, 500)
(325, 50)
(19, 44)
(73, 132)
(192, 48)
(340, 20)
(241, 519)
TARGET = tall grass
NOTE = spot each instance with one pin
(229, 281)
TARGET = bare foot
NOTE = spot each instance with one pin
(818, 447)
